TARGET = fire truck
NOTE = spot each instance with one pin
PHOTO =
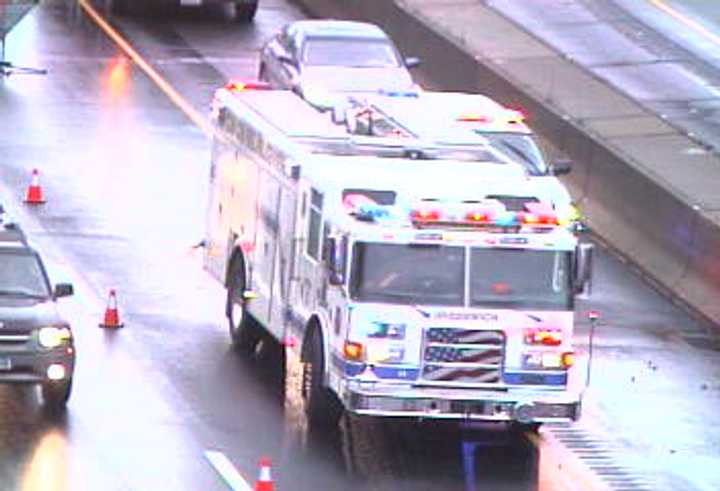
(401, 285)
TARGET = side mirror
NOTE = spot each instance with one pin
(582, 279)
(334, 260)
(63, 290)
(412, 61)
(561, 167)
(339, 114)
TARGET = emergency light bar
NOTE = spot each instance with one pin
(237, 86)
(486, 214)
(502, 116)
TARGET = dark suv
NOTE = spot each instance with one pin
(36, 344)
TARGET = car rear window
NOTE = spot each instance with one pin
(361, 53)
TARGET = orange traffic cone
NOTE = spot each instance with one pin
(264, 481)
(34, 193)
(112, 318)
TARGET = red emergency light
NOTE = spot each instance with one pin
(470, 117)
(425, 215)
(237, 86)
(539, 213)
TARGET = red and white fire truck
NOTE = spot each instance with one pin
(404, 286)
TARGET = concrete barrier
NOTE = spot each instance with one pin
(635, 205)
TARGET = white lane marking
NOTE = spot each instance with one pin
(227, 471)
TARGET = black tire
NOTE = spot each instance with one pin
(56, 394)
(322, 407)
(244, 331)
(245, 12)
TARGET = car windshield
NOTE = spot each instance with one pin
(517, 278)
(350, 52)
(21, 275)
(431, 274)
(408, 274)
(520, 148)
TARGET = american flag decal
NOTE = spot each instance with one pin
(466, 356)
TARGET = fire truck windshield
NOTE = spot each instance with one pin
(517, 278)
(408, 274)
(434, 274)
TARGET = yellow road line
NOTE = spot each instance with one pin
(200, 121)
(687, 21)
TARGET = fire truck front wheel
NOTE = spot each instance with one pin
(244, 331)
(323, 409)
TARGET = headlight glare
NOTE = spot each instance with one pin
(52, 337)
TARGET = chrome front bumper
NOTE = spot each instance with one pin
(521, 405)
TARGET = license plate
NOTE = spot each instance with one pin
(190, 2)
(5, 364)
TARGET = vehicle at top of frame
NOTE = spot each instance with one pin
(244, 11)
(321, 59)
(406, 286)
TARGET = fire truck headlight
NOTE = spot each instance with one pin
(383, 352)
(387, 330)
(548, 360)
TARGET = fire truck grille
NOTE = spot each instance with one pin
(463, 356)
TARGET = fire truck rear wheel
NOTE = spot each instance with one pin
(56, 394)
(321, 406)
(244, 331)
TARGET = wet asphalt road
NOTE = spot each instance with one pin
(124, 173)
